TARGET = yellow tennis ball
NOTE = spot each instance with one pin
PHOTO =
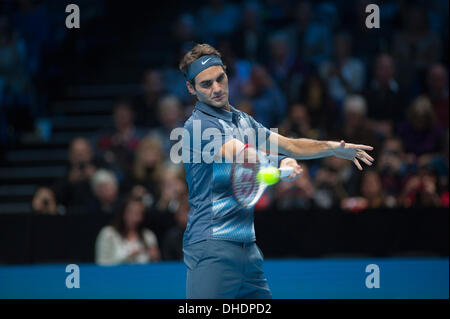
(268, 175)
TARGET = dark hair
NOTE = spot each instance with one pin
(119, 223)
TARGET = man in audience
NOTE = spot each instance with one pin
(73, 191)
(106, 190)
(437, 82)
(385, 102)
(118, 147)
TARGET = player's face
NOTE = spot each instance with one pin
(211, 86)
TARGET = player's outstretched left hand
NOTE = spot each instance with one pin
(352, 152)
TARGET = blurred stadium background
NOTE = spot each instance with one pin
(86, 114)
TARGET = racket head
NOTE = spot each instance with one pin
(247, 190)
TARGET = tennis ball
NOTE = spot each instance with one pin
(268, 175)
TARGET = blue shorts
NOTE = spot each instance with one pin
(225, 269)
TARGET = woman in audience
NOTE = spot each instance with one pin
(127, 240)
(147, 165)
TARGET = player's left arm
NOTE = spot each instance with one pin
(303, 148)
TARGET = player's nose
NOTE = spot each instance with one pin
(217, 89)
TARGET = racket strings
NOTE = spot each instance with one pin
(245, 184)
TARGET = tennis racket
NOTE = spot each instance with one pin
(247, 187)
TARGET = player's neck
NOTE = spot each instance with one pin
(224, 107)
(227, 107)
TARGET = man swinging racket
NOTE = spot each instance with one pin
(220, 253)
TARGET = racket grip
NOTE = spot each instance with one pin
(286, 171)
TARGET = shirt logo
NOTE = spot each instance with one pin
(203, 62)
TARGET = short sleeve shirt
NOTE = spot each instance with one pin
(214, 213)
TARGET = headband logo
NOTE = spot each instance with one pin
(203, 62)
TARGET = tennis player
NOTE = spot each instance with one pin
(220, 252)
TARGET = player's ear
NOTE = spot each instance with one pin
(190, 88)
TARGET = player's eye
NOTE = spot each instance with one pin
(220, 78)
(206, 84)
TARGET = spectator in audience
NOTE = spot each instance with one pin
(127, 240)
(269, 103)
(438, 163)
(74, 191)
(437, 82)
(298, 124)
(415, 46)
(286, 69)
(170, 114)
(345, 74)
(420, 133)
(394, 166)
(147, 166)
(330, 182)
(385, 102)
(44, 202)
(355, 126)
(173, 188)
(371, 195)
(153, 88)
(173, 239)
(421, 190)
(118, 147)
(372, 190)
(321, 108)
(140, 193)
(106, 190)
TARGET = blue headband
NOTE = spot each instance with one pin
(201, 64)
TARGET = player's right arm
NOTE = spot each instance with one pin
(230, 149)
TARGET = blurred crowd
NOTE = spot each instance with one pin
(310, 69)
(35, 49)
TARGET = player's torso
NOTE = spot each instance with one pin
(214, 213)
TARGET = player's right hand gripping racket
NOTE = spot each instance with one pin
(251, 173)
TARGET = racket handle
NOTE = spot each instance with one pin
(286, 171)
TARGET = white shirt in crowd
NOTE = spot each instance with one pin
(112, 249)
